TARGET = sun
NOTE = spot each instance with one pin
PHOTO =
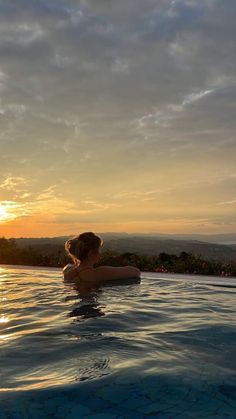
(9, 211)
(4, 215)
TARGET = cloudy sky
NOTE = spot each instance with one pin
(117, 116)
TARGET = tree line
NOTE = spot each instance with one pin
(55, 256)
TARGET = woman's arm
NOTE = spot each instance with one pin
(68, 272)
(106, 273)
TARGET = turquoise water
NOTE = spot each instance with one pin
(158, 348)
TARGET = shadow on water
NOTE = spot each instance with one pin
(88, 304)
(86, 311)
(89, 295)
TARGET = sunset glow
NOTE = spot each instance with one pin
(4, 215)
(117, 116)
(9, 211)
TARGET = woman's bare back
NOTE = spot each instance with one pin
(72, 272)
(85, 251)
(100, 274)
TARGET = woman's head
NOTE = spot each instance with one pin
(83, 246)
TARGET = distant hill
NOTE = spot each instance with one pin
(142, 244)
(227, 238)
(41, 241)
(154, 246)
(233, 246)
(32, 241)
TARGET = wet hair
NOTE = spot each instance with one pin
(79, 247)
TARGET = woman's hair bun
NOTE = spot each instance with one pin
(79, 246)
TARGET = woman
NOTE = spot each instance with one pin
(85, 250)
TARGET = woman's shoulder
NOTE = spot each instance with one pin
(69, 272)
(72, 272)
(67, 267)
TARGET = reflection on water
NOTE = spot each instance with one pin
(55, 334)
(88, 304)
(86, 311)
(87, 307)
(96, 369)
(4, 319)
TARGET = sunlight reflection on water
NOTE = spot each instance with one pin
(53, 336)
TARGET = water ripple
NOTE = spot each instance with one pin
(52, 336)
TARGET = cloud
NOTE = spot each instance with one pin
(11, 210)
(137, 96)
(22, 34)
(100, 205)
(233, 201)
(49, 203)
(193, 97)
(12, 183)
(145, 195)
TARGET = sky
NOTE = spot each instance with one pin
(117, 116)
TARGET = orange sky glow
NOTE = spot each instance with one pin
(117, 118)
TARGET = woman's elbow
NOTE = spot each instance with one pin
(135, 272)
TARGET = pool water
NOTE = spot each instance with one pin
(160, 348)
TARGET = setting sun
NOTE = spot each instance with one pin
(7, 211)
(3, 214)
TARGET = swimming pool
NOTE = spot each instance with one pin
(161, 348)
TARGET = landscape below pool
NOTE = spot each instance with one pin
(163, 347)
